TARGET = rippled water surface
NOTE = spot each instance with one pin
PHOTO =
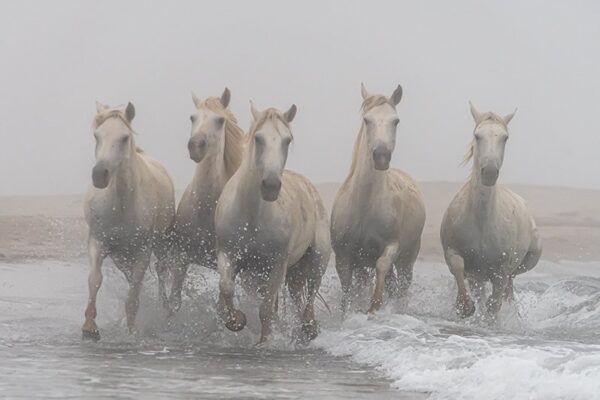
(546, 345)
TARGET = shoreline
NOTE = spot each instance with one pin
(52, 227)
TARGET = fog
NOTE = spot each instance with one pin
(57, 58)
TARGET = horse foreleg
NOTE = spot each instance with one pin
(382, 268)
(235, 320)
(135, 280)
(90, 329)
(464, 305)
(265, 312)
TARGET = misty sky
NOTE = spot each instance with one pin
(57, 58)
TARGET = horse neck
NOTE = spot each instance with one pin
(482, 198)
(123, 187)
(248, 193)
(365, 180)
(210, 176)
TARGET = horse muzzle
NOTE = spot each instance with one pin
(381, 158)
(270, 188)
(489, 175)
(100, 176)
(197, 149)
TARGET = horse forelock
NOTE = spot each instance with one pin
(102, 117)
(268, 115)
(374, 101)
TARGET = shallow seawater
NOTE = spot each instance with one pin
(546, 345)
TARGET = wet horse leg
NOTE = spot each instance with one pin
(235, 320)
(343, 267)
(382, 268)
(404, 268)
(464, 305)
(275, 281)
(90, 329)
(500, 281)
(135, 278)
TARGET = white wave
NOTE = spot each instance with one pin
(546, 346)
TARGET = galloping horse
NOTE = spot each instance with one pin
(378, 214)
(216, 145)
(271, 228)
(128, 210)
(487, 232)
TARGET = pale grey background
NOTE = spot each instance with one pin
(57, 58)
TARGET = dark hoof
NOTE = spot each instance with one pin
(92, 336)
(236, 321)
(465, 308)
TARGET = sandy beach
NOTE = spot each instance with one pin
(52, 227)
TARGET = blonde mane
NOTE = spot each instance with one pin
(234, 136)
(270, 114)
(368, 104)
(486, 118)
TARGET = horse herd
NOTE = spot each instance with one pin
(244, 214)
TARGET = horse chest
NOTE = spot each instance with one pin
(491, 243)
(368, 232)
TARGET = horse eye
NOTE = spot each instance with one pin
(396, 121)
(124, 139)
(286, 141)
(259, 139)
(193, 118)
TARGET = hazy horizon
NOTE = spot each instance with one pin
(542, 57)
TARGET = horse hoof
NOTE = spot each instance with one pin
(92, 336)
(465, 309)
(236, 322)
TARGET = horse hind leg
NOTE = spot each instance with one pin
(275, 281)
(344, 270)
(404, 268)
(134, 272)
(500, 282)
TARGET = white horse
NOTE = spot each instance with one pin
(216, 145)
(128, 210)
(487, 232)
(378, 214)
(271, 228)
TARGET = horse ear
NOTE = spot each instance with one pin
(363, 91)
(255, 112)
(396, 96)
(100, 107)
(225, 97)
(476, 114)
(509, 117)
(129, 112)
(290, 114)
(196, 100)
